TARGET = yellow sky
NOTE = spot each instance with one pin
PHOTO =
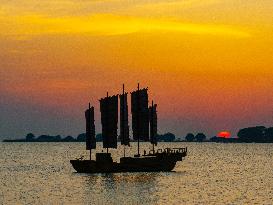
(207, 63)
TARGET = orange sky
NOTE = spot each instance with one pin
(208, 64)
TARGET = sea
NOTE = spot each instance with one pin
(212, 173)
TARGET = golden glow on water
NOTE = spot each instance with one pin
(212, 173)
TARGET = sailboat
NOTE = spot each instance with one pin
(144, 126)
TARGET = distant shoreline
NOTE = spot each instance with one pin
(167, 137)
(258, 134)
(222, 142)
(24, 140)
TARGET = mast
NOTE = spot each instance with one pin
(107, 110)
(89, 107)
(152, 125)
(123, 116)
(123, 113)
(138, 120)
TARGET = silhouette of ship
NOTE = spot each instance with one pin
(143, 118)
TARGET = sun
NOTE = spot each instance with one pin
(224, 134)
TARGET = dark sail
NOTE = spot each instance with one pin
(124, 127)
(90, 129)
(109, 120)
(153, 124)
(140, 114)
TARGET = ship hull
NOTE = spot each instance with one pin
(152, 163)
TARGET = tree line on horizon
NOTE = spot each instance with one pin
(258, 134)
(30, 137)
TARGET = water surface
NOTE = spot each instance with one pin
(40, 173)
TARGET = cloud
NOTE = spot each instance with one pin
(107, 24)
(64, 7)
(166, 5)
